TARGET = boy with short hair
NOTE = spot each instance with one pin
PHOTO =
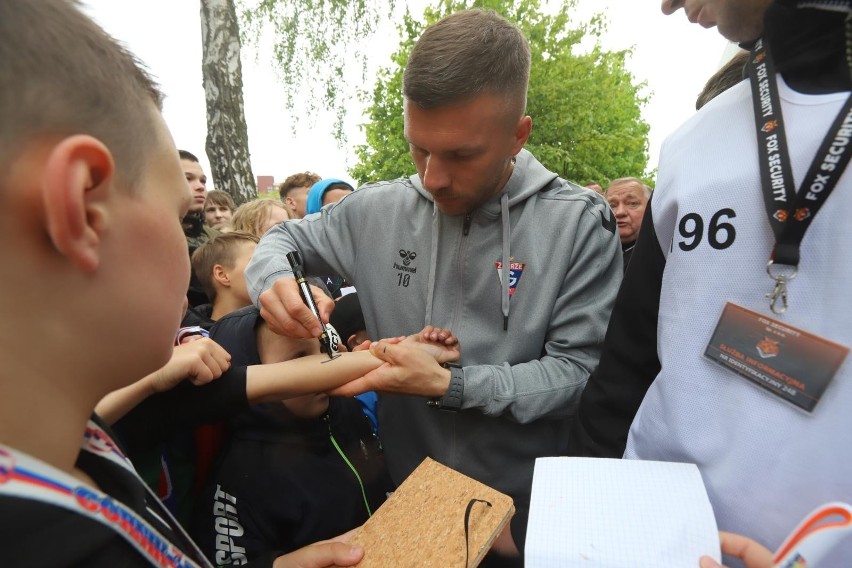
(88, 171)
(219, 264)
(77, 192)
(218, 210)
(294, 192)
(194, 228)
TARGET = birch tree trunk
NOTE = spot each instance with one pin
(227, 134)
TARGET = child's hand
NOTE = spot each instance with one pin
(365, 345)
(190, 338)
(199, 361)
(438, 335)
(437, 341)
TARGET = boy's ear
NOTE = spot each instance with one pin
(221, 275)
(76, 184)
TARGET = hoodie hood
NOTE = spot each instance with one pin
(528, 178)
(314, 203)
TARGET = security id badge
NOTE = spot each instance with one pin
(791, 363)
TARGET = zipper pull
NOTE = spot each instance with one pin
(466, 226)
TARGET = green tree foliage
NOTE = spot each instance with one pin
(585, 105)
(385, 155)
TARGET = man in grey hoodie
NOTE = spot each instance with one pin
(522, 266)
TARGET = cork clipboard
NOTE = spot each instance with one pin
(423, 523)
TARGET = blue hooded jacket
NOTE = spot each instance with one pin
(314, 203)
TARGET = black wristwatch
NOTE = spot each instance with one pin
(452, 399)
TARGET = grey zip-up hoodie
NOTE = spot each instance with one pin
(413, 266)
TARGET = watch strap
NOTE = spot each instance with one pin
(452, 399)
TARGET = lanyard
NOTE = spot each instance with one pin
(22, 476)
(790, 212)
(97, 441)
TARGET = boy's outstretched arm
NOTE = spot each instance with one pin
(199, 362)
(159, 416)
(344, 375)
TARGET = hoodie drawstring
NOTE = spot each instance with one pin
(433, 266)
(504, 279)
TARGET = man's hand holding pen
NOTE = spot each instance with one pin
(283, 309)
(329, 346)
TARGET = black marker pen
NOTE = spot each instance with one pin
(295, 260)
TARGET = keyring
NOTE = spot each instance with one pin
(786, 277)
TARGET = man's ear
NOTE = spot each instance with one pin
(522, 134)
(221, 275)
(76, 184)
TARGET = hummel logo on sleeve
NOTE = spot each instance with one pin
(608, 224)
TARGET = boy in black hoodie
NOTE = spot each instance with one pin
(293, 472)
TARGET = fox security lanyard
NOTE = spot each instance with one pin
(790, 212)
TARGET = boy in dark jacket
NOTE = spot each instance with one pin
(293, 472)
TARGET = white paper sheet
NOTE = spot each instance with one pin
(607, 513)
